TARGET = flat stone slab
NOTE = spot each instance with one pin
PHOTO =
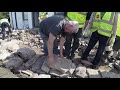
(93, 73)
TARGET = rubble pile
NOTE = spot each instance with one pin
(23, 57)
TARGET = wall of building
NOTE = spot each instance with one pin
(30, 20)
(18, 21)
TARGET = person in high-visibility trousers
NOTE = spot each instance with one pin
(104, 25)
(82, 18)
(5, 23)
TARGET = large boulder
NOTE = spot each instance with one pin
(13, 62)
(26, 53)
(60, 64)
(36, 67)
(29, 63)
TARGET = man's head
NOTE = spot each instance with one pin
(71, 27)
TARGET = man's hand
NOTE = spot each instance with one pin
(51, 61)
(61, 56)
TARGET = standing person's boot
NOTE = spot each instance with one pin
(72, 56)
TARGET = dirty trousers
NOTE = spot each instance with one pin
(70, 47)
(102, 44)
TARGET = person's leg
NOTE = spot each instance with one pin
(45, 45)
(9, 29)
(3, 31)
(102, 44)
(74, 47)
(76, 42)
(116, 47)
(55, 48)
(67, 44)
(45, 40)
(92, 42)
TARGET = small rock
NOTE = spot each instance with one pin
(28, 72)
(42, 76)
(81, 71)
(93, 73)
(26, 43)
(109, 75)
(59, 74)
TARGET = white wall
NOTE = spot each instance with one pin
(13, 19)
(19, 20)
(50, 14)
(23, 23)
(30, 20)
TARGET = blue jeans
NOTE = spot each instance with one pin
(45, 40)
(102, 44)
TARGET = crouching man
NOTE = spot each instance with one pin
(52, 27)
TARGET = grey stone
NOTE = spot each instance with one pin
(26, 43)
(26, 53)
(72, 69)
(81, 71)
(23, 67)
(42, 76)
(37, 67)
(45, 67)
(15, 62)
(58, 73)
(93, 52)
(29, 63)
(117, 66)
(63, 65)
(93, 73)
(109, 75)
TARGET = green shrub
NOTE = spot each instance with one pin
(4, 15)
